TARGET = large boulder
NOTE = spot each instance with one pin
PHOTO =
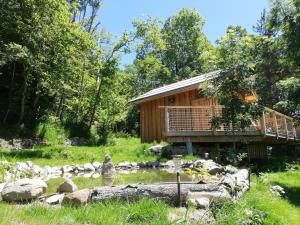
(67, 186)
(23, 190)
(77, 197)
(108, 168)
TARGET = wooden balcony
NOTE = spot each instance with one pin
(194, 122)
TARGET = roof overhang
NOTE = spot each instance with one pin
(178, 87)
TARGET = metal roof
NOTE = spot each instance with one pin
(175, 87)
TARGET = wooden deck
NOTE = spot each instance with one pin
(193, 123)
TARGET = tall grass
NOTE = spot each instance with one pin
(145, 211)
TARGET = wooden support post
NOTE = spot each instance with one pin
(178, 189)
(263, 124)
(275, 122)
(189, 147)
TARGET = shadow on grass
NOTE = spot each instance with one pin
(23, 154)
(292, 193)
(276, 164)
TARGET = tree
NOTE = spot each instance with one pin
(171, 50)
(235, 81)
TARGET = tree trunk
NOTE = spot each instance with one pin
(11, 86)
(164, 192)
(96, 102)
(23, 97)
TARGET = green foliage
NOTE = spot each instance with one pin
(171, 50)
(200, 173)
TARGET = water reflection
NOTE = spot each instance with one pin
(108, 180)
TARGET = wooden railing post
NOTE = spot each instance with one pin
(263, 123)
(212, 116)
(286, 128)
(166, 120)
(294, 130)
(275, 122)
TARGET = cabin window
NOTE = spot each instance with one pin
(172, 99)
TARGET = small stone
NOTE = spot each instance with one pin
(55, 199)
(77, 197)
(96, 165)
(156, 149)
(202, 203)
(125, 165)
(67, 186)
(277, 190)
(88, 167)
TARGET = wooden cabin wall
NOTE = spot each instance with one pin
(153, 118)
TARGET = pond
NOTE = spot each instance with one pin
(145, 176)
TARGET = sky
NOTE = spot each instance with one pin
(116, 15)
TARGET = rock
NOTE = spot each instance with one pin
(212, 167)
(156, 149)
(202, 203)
(77, 197)
(125, 165)
(68, 169)
(88, 167)
(191, 216)
(55, 199)
(231, 169)
(36, 170)
(229, 181)
(29, 163)
(75, 141)
(142, 164)
(1, 188)
(153, 164)
(221, 194)
(108, 168)
(22, 167)
(277, 190)
(4, 144)
(67, 186)
(7, 176)
(96, 165)
(24, 190)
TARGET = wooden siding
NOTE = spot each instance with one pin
(153, 117)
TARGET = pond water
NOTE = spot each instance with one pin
(147, 176)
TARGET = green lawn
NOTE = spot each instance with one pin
(125, 149)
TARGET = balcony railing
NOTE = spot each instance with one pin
(196, 120)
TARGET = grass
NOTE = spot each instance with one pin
(124, 149)
(257, 206)
(146, 211)
(260, 206)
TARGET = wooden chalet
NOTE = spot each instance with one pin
(179, 113)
